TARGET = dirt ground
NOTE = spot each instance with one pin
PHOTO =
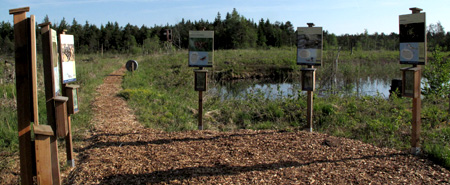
(121, 151)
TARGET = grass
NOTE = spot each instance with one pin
(91, 70)
(162, 94)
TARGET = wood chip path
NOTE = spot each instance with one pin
(121, 151)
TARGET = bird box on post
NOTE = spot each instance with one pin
(308, 79)
(200, 80)
(43, 153)
(72, 94)
(411, 82)
(61, 116)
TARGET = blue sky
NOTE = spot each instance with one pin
(339, 17)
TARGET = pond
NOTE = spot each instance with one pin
(240, 89)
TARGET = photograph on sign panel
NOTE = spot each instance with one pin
(409, 51)
(308, 55)
(68, 51)
(313, 41)
(413, 32)
(200, 58)
(68, 58)
(201, 44)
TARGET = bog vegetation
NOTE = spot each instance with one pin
(161, 91)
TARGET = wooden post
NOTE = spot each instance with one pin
(24, 85)
(43, 153)
(310, 109)
(310, 103)
(416, 119)
(49, 78)
(68, 136)
(71, 109)
(200, 108)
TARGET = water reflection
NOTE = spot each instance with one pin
(240, 89)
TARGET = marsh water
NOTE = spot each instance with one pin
(283, 88)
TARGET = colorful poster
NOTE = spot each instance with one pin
(309, 45)
(68, 59)
(201, 48)
(412, 39)
(55, 56)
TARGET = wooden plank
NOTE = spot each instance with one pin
(43, 158)
(33, 59)
(310, 104)
(69, 145)
(43, 130)
(310, 110)
(23, 88)
(200, 110)
(416, 118)
(19, 10)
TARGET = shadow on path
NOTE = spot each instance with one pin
(219, 170)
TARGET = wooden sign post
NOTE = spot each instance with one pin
(25, 59)
(200, 86)
(68, 75)
(413, 50)
(309, 52)
(201, 54)
(52, 90)
(72, 108)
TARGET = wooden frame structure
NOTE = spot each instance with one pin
(411, 88)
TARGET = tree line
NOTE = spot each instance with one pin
(232, 32)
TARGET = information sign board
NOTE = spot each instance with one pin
(201, 48)
(309, 46)
(413, 39)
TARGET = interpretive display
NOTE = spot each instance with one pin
(309, 46)
(68, 59)
(413, 39)
(201, 48)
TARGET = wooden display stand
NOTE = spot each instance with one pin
(309, 84)
(71, 107)
(26, 87)
(201, 54)
(200, 86)
(411, 85)
(49, 54)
